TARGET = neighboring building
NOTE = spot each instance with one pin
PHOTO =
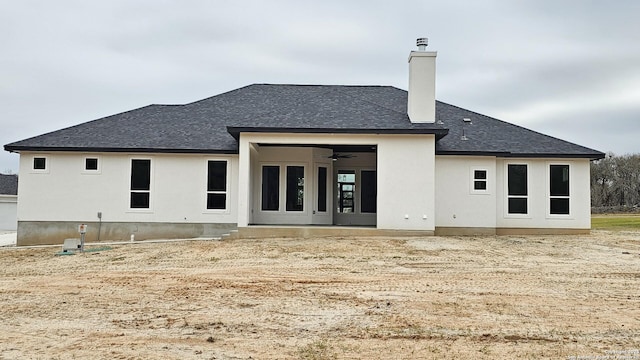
(396, 161)
(8, 202)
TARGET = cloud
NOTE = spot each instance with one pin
(539, 64)
(612, 130)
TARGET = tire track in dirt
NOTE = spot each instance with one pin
(448, 297)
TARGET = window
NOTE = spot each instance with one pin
(517, 195)
(39, 163)
(322, 189)
(368, 191)
(559, 189)
(295, 188)
(270, 188)
(140, 183)
(91, 164)
(480, 180)
(216, 185)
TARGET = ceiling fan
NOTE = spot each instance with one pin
(336, 156)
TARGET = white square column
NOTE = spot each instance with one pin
(244, 182)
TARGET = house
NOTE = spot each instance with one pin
(268, 159)
(8, 202)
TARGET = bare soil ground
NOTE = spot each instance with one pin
(529, 297)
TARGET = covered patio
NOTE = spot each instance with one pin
(379, 181)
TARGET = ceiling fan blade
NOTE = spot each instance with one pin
(336, 156)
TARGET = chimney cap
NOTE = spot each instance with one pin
(422, 43)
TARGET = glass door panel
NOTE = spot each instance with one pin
(346, 191)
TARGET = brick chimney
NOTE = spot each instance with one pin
(421, 105)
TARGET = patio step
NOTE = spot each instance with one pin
(258, 231)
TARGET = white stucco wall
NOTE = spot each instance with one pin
(8, 212)
(65, 192)
(416, 189)
(406, 182)
(457, 203)
(538, 186)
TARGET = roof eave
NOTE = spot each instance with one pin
(235, 131)
(17, 149)
(590, 156)
(471, 153)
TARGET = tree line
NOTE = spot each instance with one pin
(615, 183)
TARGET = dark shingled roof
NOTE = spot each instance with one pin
(8, 184)
(486, 135)
(211, 125)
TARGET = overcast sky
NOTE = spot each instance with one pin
(570, 69)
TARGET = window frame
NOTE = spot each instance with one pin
(473, 179)
(47, 164)
(508, 196)
(550, 196)
(282, 188)
(361, 189)
(149, 191)
(226, 186)
(279, 195)
(286, 188)
(91, 171)
(322, 192)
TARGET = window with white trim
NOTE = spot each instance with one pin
(479, 180)
(270, 188)
(368, 191)
(295, 188)
(517, 192)
(91, 164)
(559, 189)
(39, 163)
(216, 185)
(140, 184)
(322, 189)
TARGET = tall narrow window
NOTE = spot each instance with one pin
(216, 185)
(559, 189)
(270, 188)
(295, 188)
(322, 189)
(368, 191)
(140, 183)
(518, 189)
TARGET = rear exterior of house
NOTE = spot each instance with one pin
(373, 157)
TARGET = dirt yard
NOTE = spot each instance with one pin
(531, 297)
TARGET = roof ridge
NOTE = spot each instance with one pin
(221, 94)
(321, 85)
(379, 105)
